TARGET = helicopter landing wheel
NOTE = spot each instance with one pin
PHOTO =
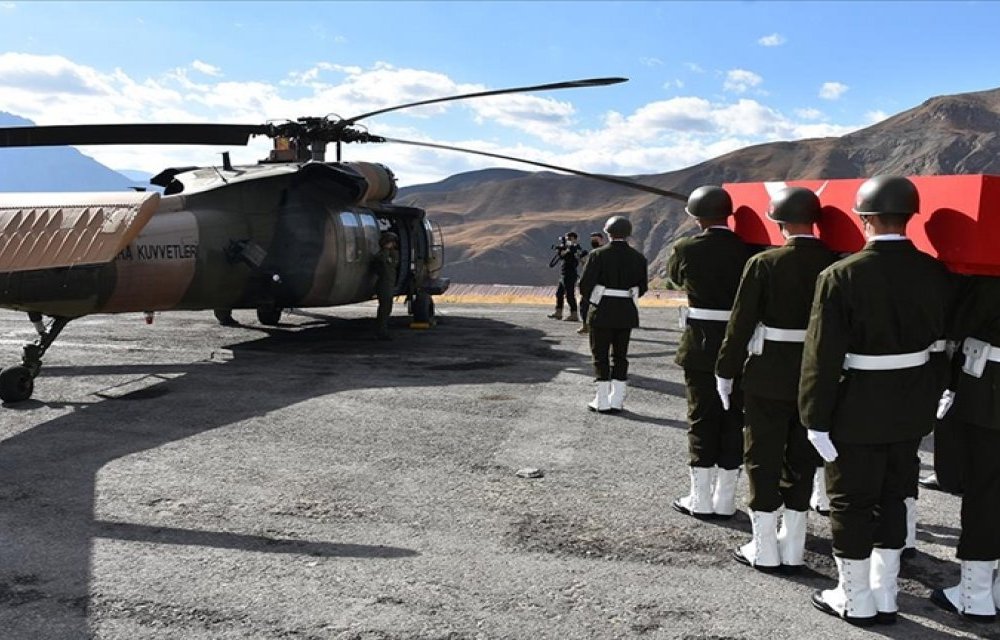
(422, 311)
(270, 316)
(16, 384)
(225, 317)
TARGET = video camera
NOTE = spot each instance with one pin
(563, 248)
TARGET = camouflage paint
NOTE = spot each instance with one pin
(306, 224)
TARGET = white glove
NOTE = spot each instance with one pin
(820, 440)
(725, 388)
(947, 399)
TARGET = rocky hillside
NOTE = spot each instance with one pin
(499, 224)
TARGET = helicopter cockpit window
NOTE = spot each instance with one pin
(349, 222)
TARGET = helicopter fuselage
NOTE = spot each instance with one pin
(278, 236)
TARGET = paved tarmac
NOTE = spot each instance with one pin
(190, 481)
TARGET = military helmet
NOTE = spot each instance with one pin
(794, 205)
(887, 194)
(387, 237)
(618, 227)
(709, 202)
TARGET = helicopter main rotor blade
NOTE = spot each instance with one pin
(83, 134)
(596, 176)
(572, 84)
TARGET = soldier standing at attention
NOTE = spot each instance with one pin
(708, 267)
(769, 321)
(385, 264)
(869, 391)
(975, 416)
(613, 280)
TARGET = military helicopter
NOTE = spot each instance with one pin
(291, 231)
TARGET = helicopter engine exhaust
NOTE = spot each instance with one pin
(381, 181)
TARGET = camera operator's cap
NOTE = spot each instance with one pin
(597, 234)
(709, 201)
(387, 237)
(618, 227)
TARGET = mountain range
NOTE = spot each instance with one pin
(499, 225)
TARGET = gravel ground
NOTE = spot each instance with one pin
(191, 481)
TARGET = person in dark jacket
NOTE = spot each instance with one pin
(972, 406)
(568, 255)
(868, 394)
(768, 324)
(613, 280)
(708, 267)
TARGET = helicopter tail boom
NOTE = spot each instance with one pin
(44, 231)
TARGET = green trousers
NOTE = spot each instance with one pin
(949, 454)
(980, 538)
(384, 311)
(715, 436)
(867, 485)
(780, 463)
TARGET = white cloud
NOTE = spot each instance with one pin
(809, 114)
(693, 66)
(670, 84)
(207, 69)
(832, 90)
(740, 80)
(876, 116)
(648, 138)
(651, 62)
(773, 40)
(25, 72)
(8, 6)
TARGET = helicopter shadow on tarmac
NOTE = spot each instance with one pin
(48, 472)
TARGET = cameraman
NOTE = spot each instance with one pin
(569, 253)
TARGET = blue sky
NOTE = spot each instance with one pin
(705, 77)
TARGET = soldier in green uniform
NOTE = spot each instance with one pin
(385, 264)
(769, 323)
(613, 280)
(708, 267)
(975, 415)
(868, 394)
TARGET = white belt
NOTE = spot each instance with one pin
(618, 293)
(764, 332)
(784, 335)
(716, 315)
(894, 360)
(601, 291)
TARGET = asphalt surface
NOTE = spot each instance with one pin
(186, 480)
